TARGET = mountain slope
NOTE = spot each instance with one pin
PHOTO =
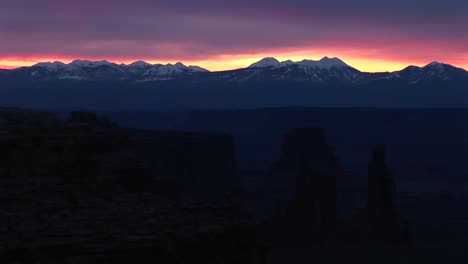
(328, 82)
(324, 63)
(267, 69)
(326, 69)
(103, 70)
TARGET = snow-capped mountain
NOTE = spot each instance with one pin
(139, 64)
(325, 70)
(168, 71)
(92, 64)
(104, 70)
(266, 62)
(267, 83)
(56, 65)
(334, 69)
(324, 63)
(434, 71)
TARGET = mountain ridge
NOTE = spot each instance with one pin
(271, 60)
(103, 70)
(324, 83)
(324, 63)
(267, 69)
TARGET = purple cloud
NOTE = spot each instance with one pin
(191, 30)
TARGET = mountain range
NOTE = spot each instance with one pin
(328, 82)
(102, 70)
(326, 69)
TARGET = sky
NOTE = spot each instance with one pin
(369, 35)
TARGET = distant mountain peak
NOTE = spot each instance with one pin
(266, 62)
(269, 68)
(434, 63)
(197, 69)
(430, 72)
(88, 63)
(324, 63)
(54, 64)
(442, 67)
(139, 64)
(80, 62)
(333, 59)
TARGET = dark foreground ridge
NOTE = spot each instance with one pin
(83, 190)
(86, 189)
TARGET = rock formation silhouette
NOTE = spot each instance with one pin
(381, 188)
(87, 187)
(308, 168)
(383, 216)
(305, 208)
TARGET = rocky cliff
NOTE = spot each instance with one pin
(84, 187)
(306, 176)
(383, 218)
(305, 210)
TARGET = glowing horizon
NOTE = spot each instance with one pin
(232, 62)
(371, 36)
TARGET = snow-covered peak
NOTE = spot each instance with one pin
(87, 63)
(197, 69)
(57, 65)
(180, 65)
(432, 71)
(333, 62)
(435, 68)
(80, 63)
(164, 71)
(434, 63)
(136, 67)
(105, 70)
(51, 65)
(48, 63)
(441, 67)
(324, 63)
(139, 64)
(266, 62)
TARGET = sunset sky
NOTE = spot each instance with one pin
(369, 35)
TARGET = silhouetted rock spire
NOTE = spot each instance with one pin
(309, 163)
(383, 217)
(381, 187)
